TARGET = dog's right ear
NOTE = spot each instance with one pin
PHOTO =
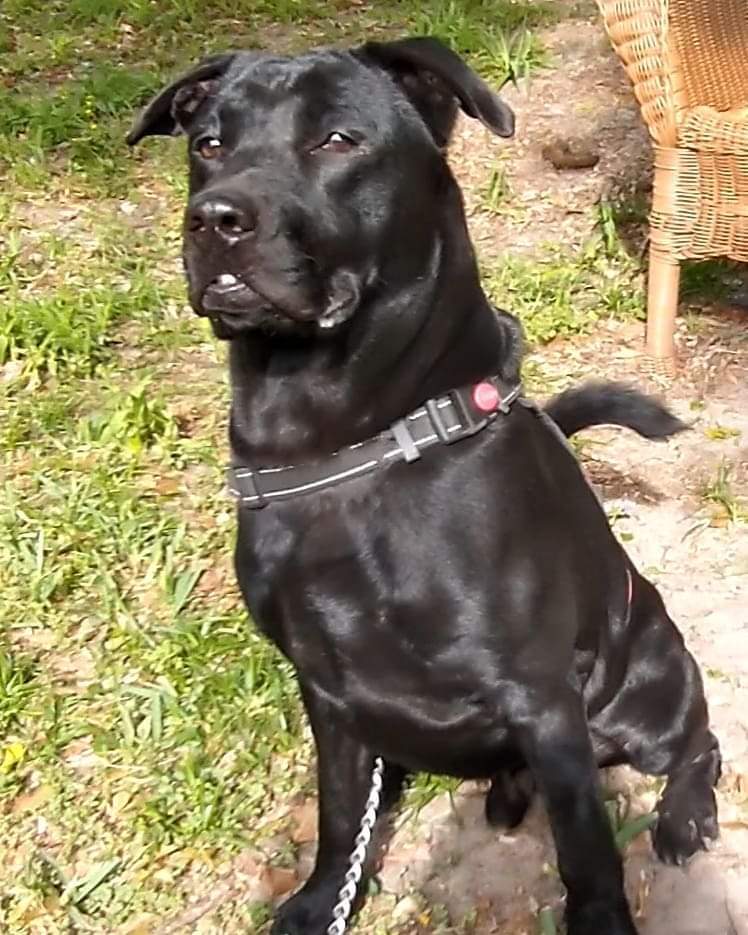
(171, 109)
(438, 81)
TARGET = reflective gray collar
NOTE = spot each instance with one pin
(441, 421)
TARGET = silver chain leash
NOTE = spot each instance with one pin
(353, 874)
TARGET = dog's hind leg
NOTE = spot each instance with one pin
(509, 795)
(659, 721)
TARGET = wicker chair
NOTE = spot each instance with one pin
(688, 61)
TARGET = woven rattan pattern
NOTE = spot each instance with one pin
(688, 61)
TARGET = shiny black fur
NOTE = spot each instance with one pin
(468, 613)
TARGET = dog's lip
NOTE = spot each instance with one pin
(227, 293)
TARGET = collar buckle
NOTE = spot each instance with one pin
(468, 424)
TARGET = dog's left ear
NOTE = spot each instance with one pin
(171, 109)
(435, 79)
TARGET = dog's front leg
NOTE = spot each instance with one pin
(344, 770)
(555, 741)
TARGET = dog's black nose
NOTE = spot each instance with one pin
(223, 216)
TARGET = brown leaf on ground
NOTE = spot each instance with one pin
(280, 880)
(304, 817)
(212, 579)
(79, 755)
(141, 925)
(31, 801)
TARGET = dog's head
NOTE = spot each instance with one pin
(309, 175)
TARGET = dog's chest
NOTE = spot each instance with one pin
(381, 627)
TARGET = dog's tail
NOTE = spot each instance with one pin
(612, 404)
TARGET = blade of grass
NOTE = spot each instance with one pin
(546, 922)
(632, 829)
(77, 891)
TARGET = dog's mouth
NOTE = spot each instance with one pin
(234, 301)
(227, 294)
(233, 306)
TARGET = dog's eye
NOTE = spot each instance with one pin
(338, 142)
(209, 147)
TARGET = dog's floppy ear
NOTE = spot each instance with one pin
(170, 110)
(435, 78)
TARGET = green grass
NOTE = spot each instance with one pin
(69, 330)
(727, 506)
(77, 71)
(495, 37)
(17, 686)
(82, 121)
(622, 227)
(621, 223)
(496, 194)
(624, 825)
(184, 709)
(547, 922)
(122, 647)
(560, 293)
(720, 433)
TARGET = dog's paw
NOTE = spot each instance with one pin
(508, 799)
(686, 823)
(302, 917)
(600, 918)
(309, 912)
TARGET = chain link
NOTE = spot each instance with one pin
(347, 892)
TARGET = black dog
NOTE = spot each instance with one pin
(462, 609)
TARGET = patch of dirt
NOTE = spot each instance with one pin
(585, 96)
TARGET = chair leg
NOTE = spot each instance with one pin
(662, 305)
